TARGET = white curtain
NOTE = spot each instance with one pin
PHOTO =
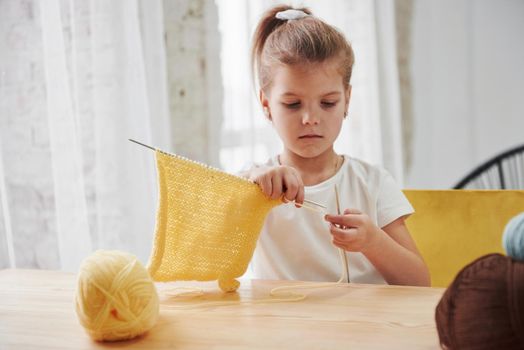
(78, 78)
(373, 130)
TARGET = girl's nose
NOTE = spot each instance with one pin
(309, 118)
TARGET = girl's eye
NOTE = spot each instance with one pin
(292, 105)
(328, 104)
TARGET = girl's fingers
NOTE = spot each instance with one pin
(346, 242)
(352, 211)
(339, 244)
(276, 183)
(300, 194)
(294, 188)
(291, 186)
(336, 219)
(346, 220)
(343, 234)
(281, 182)
(265, 184)
(343, 245)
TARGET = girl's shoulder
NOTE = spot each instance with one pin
(360, 168)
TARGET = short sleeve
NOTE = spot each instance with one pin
(391, 201)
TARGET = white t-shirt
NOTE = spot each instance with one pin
(295, 243)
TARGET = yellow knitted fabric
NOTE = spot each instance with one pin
(208, 223)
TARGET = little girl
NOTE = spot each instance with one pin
(304, 68)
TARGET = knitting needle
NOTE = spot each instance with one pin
(315, 203)
(306, 206)
(341, 251)
(302, 205)
(141, 144)
(305, 200)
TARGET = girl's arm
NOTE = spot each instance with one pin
(391, 249)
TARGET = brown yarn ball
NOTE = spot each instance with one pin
(483, 308)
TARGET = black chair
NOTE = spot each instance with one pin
(504, 171)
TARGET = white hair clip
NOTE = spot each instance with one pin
(291, 14)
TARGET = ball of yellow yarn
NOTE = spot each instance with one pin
(115, 298)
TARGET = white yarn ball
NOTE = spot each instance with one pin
(513, 237)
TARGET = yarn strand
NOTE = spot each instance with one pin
(278, 294)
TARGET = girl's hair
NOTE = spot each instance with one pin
(289, 42)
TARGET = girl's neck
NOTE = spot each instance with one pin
(313, 170)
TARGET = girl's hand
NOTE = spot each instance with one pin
(354, 231)
(279, 180)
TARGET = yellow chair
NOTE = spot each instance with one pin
(454, 227)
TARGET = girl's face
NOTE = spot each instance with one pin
(307, 104)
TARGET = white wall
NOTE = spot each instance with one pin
(194, 80)
(468, 86)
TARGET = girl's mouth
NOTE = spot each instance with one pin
(309, 136)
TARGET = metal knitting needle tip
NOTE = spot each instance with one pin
(311, 208)
(141, 144)
(315, 203)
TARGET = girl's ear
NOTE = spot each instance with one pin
(265, 104)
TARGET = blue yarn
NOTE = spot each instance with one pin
(513, 238)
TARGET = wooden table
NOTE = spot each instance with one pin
(37, 312)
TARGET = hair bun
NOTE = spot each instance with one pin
(291, 14)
